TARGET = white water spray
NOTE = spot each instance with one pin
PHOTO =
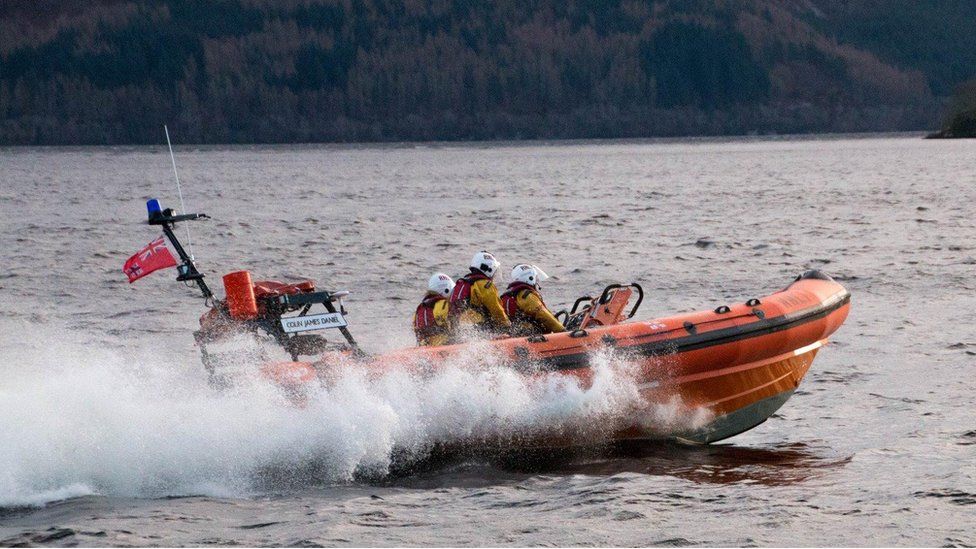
(81, 419)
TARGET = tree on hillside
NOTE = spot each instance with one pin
(961, 120)
(363, 70)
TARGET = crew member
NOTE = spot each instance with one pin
(475, 301)
(524, 306)
(430, 323)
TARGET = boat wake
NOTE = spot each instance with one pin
(84, 419)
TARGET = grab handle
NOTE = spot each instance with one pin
(565, 316)
(605, 295)
(578, 301)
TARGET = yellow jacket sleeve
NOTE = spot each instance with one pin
(441, 308)
(487, 296)
(531, 305)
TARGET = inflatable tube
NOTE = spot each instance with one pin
(738, 362)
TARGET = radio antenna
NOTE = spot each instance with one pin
(179, 190)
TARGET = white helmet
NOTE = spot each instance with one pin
(485, 263)
(529, 274)
(440, 284)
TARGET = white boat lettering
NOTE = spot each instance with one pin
(313, 322)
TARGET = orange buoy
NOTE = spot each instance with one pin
(240, 295)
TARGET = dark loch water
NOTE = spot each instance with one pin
(110, 435)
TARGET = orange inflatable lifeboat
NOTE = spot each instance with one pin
(736, 364)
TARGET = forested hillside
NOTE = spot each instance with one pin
(354, 70)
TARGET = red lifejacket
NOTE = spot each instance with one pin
(424, 325)
(461, 296)
(510, 298)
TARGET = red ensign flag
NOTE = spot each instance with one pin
(153, 257)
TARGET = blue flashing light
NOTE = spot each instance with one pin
(152, 205)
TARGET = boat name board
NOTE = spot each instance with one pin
(295, 324)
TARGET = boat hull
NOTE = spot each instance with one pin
(743, 397)
(721, 372)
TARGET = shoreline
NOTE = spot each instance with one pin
(355, 145)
